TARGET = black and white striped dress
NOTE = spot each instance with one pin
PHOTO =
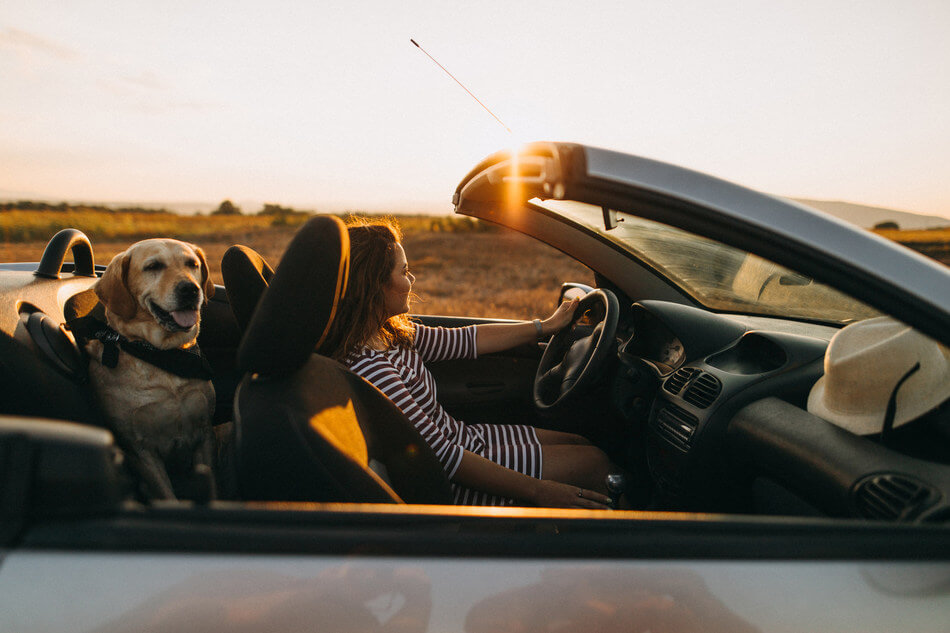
(402, 376)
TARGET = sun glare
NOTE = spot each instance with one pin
(514, 189)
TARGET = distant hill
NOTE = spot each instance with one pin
(866, 216)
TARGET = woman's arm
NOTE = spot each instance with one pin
(479, 473)
(384, 376)
(444, 343)
(495, 337)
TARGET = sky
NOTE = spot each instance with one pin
(329, 107)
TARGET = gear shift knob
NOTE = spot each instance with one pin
(616, 485)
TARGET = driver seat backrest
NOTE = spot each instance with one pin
(306, 428)
(246, 275)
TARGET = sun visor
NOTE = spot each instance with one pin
(511, 178)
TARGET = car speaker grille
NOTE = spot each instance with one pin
(676, 426)
(704, 391)
(675, 383)
(890, 497)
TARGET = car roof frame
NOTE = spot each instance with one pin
(888, 276)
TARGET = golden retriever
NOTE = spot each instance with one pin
(152, 294)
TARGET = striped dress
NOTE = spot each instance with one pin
(402, 376)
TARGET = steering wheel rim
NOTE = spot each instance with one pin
(572, 359)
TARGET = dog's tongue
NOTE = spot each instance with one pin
(185, 318)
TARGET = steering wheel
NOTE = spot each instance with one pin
(574, 355)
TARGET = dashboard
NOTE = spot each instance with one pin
(727, 428)
(654, 342)
(707, 366)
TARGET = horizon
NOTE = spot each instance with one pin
(185, 207)
(298, 103)
(905, 219)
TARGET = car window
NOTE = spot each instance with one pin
(491, 272)
(718, 276)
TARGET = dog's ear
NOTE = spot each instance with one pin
(113, 289)
(206, 284)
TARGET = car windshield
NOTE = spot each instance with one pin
(717, 276)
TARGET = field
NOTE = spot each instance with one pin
(933, 243)
(448, 255)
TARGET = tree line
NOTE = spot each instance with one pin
(229, 208)
(225, 208)
(31, 205)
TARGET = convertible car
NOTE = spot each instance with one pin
(698, 361)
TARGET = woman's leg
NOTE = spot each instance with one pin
(547, 437)
(579, 465)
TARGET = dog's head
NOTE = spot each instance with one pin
(154, 291)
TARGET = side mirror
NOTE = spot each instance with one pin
(54, 469)
(572, 290)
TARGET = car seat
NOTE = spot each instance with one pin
(246, 274)
(30, 386)
(306, 428)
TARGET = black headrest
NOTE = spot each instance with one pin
(296, 310)
(246, 276)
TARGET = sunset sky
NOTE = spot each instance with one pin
(329, 107)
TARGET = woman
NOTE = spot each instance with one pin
(487, 464)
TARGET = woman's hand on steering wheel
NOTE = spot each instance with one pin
(561, 318)
(553, 494)
(573, 357)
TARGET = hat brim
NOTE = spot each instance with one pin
(868, 423)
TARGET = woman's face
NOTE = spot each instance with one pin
(397, 289)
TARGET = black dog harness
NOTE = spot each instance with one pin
(185, 363)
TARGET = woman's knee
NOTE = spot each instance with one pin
(580, 465)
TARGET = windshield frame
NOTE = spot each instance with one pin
(755, 287)
(888, 276)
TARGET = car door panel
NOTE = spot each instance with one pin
(492, 388)
(104, 593)
(430, 569)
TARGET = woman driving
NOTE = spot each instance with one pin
(487, 464)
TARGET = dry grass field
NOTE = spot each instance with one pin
(934, 243)
(500, 274)
(451, 257)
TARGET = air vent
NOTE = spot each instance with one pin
(890, 497)
(675, 383)
(676, 426)
(704, 391)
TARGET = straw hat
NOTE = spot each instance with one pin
(864, 363)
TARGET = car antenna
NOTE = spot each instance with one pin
(416, 44)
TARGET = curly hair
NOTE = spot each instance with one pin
(362, 314)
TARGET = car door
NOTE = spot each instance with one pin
(492, 388)
(100, 562)
(364, 568)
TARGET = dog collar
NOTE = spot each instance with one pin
(185, 363)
